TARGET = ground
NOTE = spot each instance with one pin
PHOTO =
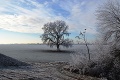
(45, 63)
(43, 71)
(39, 71)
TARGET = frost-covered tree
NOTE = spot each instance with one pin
(82, 35)
(108, 16)
(54, 34)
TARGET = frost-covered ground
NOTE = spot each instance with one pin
(42, 53)
(41, 71)
(37, 71)
(45, 62)
(35, 53)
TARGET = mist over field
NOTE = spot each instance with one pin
(38, 53)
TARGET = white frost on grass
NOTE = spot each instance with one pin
(99, 53)
(37, 71)
(34, 53)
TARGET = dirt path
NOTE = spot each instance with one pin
(37, 71)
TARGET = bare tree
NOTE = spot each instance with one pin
(54, 34)
(108, 16)
(83, 35)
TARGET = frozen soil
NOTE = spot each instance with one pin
(40, 71)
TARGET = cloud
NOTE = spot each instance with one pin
(21, 19)
(82, 15)
(29, 16)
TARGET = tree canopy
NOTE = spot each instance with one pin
(54, 34)
(108, 16)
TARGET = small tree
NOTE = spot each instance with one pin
(54, 34)
(82, 35)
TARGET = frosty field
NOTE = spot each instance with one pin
(42, 53)
(46, 63)
(38, 53)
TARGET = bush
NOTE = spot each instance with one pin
(81, 62)
(99, 65)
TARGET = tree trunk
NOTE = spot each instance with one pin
(87, 46)
(88, 51)
(58, 48)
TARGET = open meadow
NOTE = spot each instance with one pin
(35, 53)
(45, 63)
(42, 53)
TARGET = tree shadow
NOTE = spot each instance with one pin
(55, 51)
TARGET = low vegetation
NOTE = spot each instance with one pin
(82, 36)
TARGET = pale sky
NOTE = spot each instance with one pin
(21, 20)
